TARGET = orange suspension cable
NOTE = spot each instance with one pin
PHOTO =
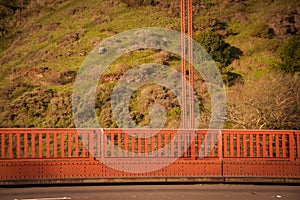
(191, 60)
(183, 65)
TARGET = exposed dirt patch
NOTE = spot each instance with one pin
(51, 26)
(77, 9)
(98, 20)
(70, 38)
(59, 78)
(286, 24)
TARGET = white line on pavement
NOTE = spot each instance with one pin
(55, 198)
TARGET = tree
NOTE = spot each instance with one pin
(289, 53)
(270, 102)
(219, 50)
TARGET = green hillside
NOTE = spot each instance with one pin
(44, 42)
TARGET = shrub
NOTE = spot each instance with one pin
(222, 53)
(134, 3)
(262, 30)
(289, 53)
(218, 49)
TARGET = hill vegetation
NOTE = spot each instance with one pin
(44, 42)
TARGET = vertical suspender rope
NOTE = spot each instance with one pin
(183, 65)
(191, 60)
(184, 116)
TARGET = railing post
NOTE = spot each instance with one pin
(139, 144)
(193, 145)
(3, 145)
(10, 146)
(291, 144)
(219, 144)
(25, 155)
(102, 143)
(62, 145)
(40, 144)
(18, 145)
(33, 145)
(297, 135)
(91, 145)
(119, 146)
(47, 145)
(224, 144)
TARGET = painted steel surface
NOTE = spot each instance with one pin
(41, 154)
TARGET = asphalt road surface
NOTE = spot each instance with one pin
(153, 192)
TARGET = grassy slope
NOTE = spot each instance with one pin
(50, 42)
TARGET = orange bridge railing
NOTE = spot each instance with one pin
(52, 154)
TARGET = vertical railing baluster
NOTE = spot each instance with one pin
(119, 145)
(112, 144)
(126, 144)
(206, 137)
(99, 143)
(153, 145)
(172, 144)
(47, 144)
(3, 145)
(83, 143)
(185, 144)
(55, 145)
(104, 142)
(277, 145)
(283, 144)
(132, 146)
(76, 144)
(139, 143)
(91, 144)
(193, 144)
(146, 153)
(159, 144)
(25, 155)
(291, 146)
(69, 135)
(32, 145)
(264, 145)
(179, 144)
(40, 145)
(62, 145)
(231, 145)
(257, 137)
(251, 144)
(166, 144)
(238, 145)
(219, 146)
(245, 147)
(270, 145)
(298, 144)
(212, 145)
(225, 145)
(18, 144)
(10, 146)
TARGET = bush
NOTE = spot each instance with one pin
(222, 53)
(219, 50)
(262, 30)
(14, 4)
(289, 53)
(134, 3)
(170, 6)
